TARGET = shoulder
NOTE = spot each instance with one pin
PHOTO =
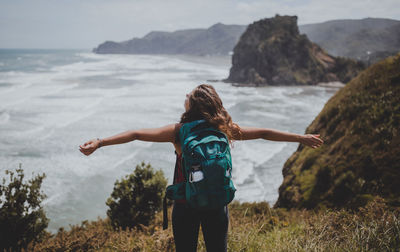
(176, 142)
(177, 127)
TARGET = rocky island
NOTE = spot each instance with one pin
(360, 158)
(272, 52)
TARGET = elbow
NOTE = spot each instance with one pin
(134, 135)
(265, 134)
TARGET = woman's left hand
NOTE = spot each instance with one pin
(311, 140)
(89, 147)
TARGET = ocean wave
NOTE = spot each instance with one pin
(266, 114)
(248, 155)
(4, 117)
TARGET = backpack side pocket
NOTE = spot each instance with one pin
(175, 192)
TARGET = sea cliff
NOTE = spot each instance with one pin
(272, 52)
(360, 158)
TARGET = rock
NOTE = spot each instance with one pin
(360, 157)
(273, 52)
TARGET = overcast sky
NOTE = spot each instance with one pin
(87, 23)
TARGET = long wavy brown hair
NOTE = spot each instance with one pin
(205, 103)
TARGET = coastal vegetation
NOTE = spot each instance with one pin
(253, 227)
(137, 197)
(360, 158)
(22, 218)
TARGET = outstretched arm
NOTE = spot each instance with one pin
(163, 134)
(311, 140)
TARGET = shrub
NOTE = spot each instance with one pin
(136, 199)
(22, 219)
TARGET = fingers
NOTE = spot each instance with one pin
(84, 146)
(87, 148)
(315, 146)
(88, 145)
(85, 151)
(318, 141)
(313, 141)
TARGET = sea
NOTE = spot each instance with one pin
(51, 101)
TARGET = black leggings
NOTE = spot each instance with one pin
(186, 222)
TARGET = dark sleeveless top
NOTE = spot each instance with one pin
(179, 176)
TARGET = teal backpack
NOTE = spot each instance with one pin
(207, 166)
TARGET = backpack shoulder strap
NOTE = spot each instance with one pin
(187, 128)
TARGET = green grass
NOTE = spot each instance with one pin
(253, 227)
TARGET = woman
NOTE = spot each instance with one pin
(202, 103)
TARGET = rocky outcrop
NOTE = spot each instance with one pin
(219, 39)
(360, 158)
(368, 39)
(273, 52)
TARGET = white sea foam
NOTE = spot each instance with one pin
(250, 154)
(4, 117)
(266, 114)
(130, 156)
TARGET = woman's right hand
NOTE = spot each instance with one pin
(312, 140)
(89, 147)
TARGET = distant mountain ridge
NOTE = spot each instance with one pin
(368, 39)
(218, 39)
(348, 38)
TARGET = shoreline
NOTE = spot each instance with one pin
(332, 84)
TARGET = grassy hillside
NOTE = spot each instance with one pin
(361, 155)
(253, 227)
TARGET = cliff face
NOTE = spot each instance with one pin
(218, 39)
(273, 52)
(361, 154)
